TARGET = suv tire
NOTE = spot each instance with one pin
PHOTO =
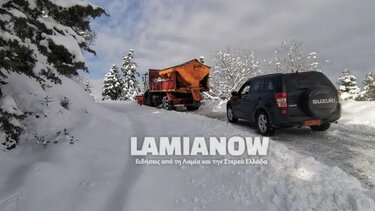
(263, 124)
(230, 116)
(322, 127)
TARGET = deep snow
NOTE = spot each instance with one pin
(358, 113)
(97, 172)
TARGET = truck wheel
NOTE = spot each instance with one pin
(166, 104)
(263, 124)
(148, 100)
(192, 108)
(230, 115)
(322, 127)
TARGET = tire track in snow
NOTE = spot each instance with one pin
(131, 172)
(350, 147)
(10, 202)
(340, 146)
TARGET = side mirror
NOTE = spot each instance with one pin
(234, 94)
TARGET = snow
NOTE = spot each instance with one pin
(97, 172)
(69, 39)
(17, 13)
(69, 43)
(71, 3)
(96, 88)
(349, 144)
(9, 37)
(8, 105)
(48, 117)
(32, 4)
(51, 24)
(3, 2)
(358, 112)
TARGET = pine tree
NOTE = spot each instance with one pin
(368, 92)
(112, 85)
(348, 85)
(129, 70)
(41, 39)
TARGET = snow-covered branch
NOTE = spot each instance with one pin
(231, 68)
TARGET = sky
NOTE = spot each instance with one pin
(164, 33)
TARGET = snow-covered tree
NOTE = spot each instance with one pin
(131, 86)
(112, 85)
(231, 68)
(348, 85)
(41, 39)
(291, 57)
(368, 92)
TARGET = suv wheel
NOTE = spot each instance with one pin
(322, 127)
(230, 115)
(263, 124)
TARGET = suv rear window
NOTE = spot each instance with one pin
(306, 80)
(272, 84)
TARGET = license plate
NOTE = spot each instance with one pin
(312, 122)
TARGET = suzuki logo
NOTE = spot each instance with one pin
(324, 101)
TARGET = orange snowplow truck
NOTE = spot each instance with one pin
(180, 85)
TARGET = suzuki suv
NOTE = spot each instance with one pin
(282, 100)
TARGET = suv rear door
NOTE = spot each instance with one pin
(299, 86)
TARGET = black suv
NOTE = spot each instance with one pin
(282, 100)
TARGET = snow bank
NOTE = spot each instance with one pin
(45, 114)
(358, 112)
(213, 108)
(96, 88)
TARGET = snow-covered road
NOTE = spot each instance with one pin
(349, 146)
(98, 173)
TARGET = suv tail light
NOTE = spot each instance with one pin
(338, 95)
(281, 101)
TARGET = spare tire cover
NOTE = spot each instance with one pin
(322, 102)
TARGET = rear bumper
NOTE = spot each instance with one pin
(285, 120)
